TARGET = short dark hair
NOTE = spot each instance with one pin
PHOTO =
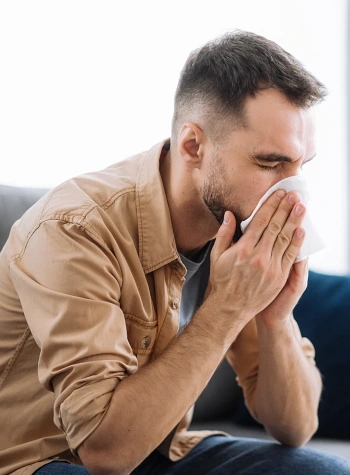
(218, 77)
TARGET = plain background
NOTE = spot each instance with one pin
(84, 84)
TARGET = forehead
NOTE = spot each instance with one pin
(274, 125)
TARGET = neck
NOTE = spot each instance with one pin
(192, 222)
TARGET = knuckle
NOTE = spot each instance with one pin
(274, 227)
(244, 251)
(261, 221)
(290, 256)
(283, 239)
(259, 262)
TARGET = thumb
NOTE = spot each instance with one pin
(224, 236)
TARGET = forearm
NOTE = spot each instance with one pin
(288, 386)
(146, 406)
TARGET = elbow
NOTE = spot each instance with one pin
(294, 436)
(306, 433)
(98, 462)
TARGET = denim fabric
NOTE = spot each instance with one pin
(220, 455)
(61, 468)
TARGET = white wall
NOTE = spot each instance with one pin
(86, 83)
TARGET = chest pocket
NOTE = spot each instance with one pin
(141, 337)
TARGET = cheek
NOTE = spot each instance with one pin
(252, 191)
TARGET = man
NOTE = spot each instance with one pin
(107, 342)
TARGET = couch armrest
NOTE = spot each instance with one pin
(14, 201)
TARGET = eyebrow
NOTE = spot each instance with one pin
(275, 157)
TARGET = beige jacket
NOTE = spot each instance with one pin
(90, 284)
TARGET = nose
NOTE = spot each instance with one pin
(294, 170)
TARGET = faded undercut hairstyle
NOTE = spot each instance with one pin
(218, 77)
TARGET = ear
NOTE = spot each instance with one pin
(190, 145)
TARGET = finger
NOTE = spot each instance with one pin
(302, 269)
(263, 216)
(293, 249)
(224, 236)
(285, 231)
(297, 279)
(277, 233)
(286, 235)
(300, 273)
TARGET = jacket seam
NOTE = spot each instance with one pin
(14, 356)
(119, 193)
(70, 218)
(147, 325)
(156, 266)
(79, 220)
(167, 306)
(50, 195)
(139, 213)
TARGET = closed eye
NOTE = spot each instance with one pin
(269, 168)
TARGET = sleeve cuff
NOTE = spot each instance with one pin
(83, 411)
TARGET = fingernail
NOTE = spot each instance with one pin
(280, 194)
(299, 210)
(292, 199)
(300, 233)
(226, 217)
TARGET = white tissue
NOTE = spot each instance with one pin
(312, 241)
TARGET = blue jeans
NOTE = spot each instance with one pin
(220, 455)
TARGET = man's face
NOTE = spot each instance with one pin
(277, 141)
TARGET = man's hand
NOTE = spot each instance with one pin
(257, 276)
(281, 308)
(245, 278)
(249, 275)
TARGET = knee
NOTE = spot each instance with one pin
(304, 461)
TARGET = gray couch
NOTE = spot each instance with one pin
(221, 405)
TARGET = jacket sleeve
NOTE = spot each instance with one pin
(243, 356)
(69, 285)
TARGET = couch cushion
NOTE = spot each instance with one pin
(14, 201)
(323, 314)
(220, 396)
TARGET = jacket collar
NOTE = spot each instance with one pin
(157, 245)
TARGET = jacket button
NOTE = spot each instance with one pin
(176, 304)
(145, 342)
